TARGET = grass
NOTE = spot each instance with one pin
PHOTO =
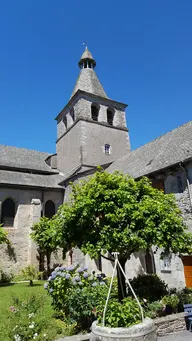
(22, 291)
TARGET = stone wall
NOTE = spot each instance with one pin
(170, 324)
(175, 182)
(28, 204)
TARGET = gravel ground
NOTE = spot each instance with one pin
(181, 336)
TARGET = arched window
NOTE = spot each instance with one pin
(49, 209)
(94, 112)
(8, 213)
(110, 115)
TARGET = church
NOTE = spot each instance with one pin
(92, 131)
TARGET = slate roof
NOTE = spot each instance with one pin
(13, 157)
(163, 152)
(25, 167)
(51, 181)
(88, 81)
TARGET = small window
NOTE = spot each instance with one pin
(107, 148)
(49, 209)
(8, 213)
(110, 115)
(94, 112)
(166, 264)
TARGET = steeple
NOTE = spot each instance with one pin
(87, 80)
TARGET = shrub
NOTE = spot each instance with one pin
(155, 309)
(149, 287)
(30, 273)
(81, 304)
(76, 293)
(5, 277)
(171, 302)
(118, 314)
(184, 297)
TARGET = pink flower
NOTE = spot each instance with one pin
(12, 309)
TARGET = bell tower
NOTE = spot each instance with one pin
(91, 128)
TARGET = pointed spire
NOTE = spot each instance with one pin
(87, 60)
(88, 80)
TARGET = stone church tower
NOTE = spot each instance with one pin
(91, 128)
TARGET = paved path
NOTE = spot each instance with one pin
(181, 336)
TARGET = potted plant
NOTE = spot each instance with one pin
(171, 303)
(123, 320)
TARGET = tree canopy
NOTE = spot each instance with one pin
(113, 212)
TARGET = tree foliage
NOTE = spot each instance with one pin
(47, 237)
(113, 212)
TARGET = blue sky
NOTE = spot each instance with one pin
(143, 51)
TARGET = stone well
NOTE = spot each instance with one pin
(145, 331)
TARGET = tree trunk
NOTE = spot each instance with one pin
(48, 256)
(121, 280)
(41, 261)
(70, 257)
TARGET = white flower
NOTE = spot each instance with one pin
(17, 337)
(44, 334)
(15, 327)
(35, 335)
(32, 325)
(31, 315)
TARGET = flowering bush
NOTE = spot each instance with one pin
(76, 293)
(28, 322)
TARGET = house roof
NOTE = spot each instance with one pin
(15, 178)
(21, 158)
(165, 151)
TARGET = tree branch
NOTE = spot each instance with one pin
(111, 259)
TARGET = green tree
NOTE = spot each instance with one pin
(46, 236)
(113, 212)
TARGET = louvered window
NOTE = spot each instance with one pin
(94, 112)
(110, 116)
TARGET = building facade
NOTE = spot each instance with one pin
(91, 131)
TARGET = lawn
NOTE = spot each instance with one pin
(22, 291)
